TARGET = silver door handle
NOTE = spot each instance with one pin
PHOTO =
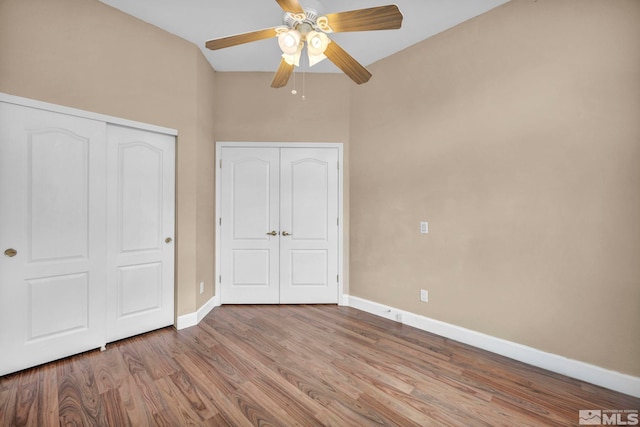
(273, 233)
(284, 233)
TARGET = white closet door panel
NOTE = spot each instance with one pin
(141, 199)
(249, 209)
(52, 213)
(309, 213)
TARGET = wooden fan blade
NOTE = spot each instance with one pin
(346, 63)
(374, 18)
(282, 74)
(229, 41)
(290, 6)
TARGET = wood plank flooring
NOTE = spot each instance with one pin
(301, 365)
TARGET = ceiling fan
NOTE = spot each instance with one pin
(304, 25)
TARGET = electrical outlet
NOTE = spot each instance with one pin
(424, 227)
(424, 295)
(201, 287)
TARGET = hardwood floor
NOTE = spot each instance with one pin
(295, 365)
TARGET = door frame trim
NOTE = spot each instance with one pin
(242, 144)
(69, 111)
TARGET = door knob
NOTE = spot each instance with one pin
(273, 233)
(10, 252)
(284, 233)
(168, 240)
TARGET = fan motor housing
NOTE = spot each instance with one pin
(293, 20)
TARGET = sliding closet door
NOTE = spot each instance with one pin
(140, 233)
(52, 222)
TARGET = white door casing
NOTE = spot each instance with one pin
(140, 224)
(294, 191)
(52, 212)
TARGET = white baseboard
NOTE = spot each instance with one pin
(192, 319)
(613, 380)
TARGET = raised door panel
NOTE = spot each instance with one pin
(309, 214)
(52, 210)
(249, 210)
(141, 198)
(58, 195)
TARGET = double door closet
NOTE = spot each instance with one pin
(279, 223)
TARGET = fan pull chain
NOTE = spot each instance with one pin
(304, 58)
(303, 85)
(294, 91)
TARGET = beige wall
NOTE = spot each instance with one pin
(517, 136)
(248, 109)
(205, 186)
(86, 55)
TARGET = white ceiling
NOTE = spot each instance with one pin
(200, 20)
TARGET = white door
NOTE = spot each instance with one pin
(250, 226)
(309, 225)
(279, 225)
(140, 246)
(52, 222)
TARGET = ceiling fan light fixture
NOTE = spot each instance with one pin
(293, 59)
(289, 41)
(316, 45)
(317, 42)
